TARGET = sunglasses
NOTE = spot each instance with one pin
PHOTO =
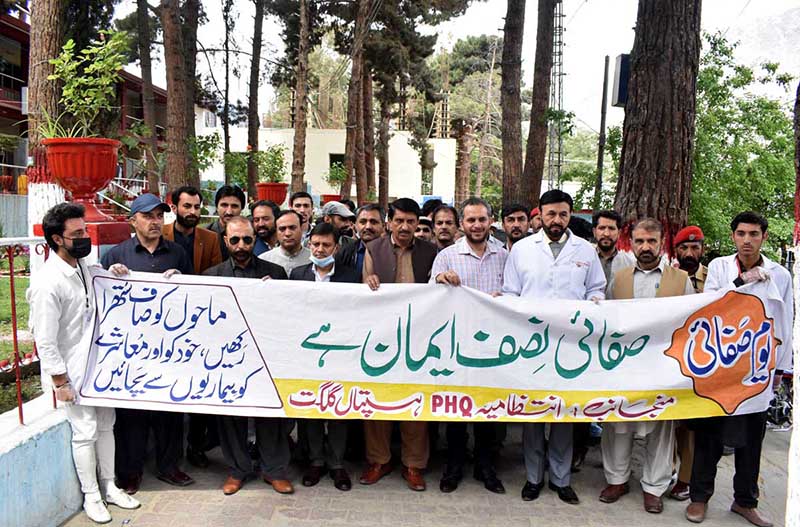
(234, 240)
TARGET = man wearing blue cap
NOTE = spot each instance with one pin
(147, 251)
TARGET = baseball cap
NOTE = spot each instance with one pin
(334, 208)
(147, 202)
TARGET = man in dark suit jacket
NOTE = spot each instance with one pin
(324, 242)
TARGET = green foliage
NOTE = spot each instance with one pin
(8, 142)
(130, 24)
(270, 163)
(89, 80)
(336, 175)
(87, 19)
(203, 151)
(743, 149)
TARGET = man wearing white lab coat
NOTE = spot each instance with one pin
(61, 315)
(552, 264)
(743, 432)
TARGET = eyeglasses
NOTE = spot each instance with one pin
(234, 240)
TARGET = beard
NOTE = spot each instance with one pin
(187, 222)
(689, 263)
(477, 238)
(240, 255)
(554, 231)
(646, 257)
(265, 233)
(516, 234)
(606, 244)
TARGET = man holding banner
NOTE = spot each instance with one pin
(651, 277)
(743, 432)
(553, 263)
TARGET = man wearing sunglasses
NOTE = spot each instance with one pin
(272, 434)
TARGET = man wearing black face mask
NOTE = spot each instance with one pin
(61, 312)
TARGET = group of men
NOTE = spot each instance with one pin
(540, 259)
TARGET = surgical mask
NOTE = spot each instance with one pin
(81, 247)
(322, 262)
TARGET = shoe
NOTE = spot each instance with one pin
(95, 509)
(374, 472)
(281, 486)
(531, 491)
(196, 458)
(490, 481)
(696, 511)
(341, 479)
(130, 485)
(565, 493)
(680, 491)
(652, 503)
(414, 478)
(750, 515)
(176, 478)
(612, 493)
(449, 483)
(115, 496)
(231, 485)
(312, 475)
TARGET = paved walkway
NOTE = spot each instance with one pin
(390, 503)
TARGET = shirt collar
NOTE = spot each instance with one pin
(610, 257)
(250, 265)
(289, 255)
(318, 277)
(410, 247)
(463, 247)
(65, 268)
(562, 240)
(662, 263)
(137, 244)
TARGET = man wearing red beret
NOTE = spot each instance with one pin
(536, 220)
(689, 248)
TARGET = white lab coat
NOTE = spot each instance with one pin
(531, 271)
(724, 270)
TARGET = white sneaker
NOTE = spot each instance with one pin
(95, 509)
(115, 496)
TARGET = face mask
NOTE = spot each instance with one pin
(81, 247)
(322, 262)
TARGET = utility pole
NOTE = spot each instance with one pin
(487, 122)
(601, 144)
(555, 158)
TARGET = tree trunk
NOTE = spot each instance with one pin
(176, 171)
(148, 101)
(253, 123)
(797, 167)
(464, 141)
(369, 129)
(383, 154)
(487, 123)
(226, 104)
(47, 28)
(191, 15)
(511, 101)
(301, 105)
(537, 133)
(354, 96)
(658, 132)
(360, 163)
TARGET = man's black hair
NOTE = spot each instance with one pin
(555, 196)
(607, 214)
(407, 205)
(300, 194)
(229, 190)
(370, 207)
(55, 219)
(349, 203)
(441, 208)
(325, 229)
(512, 208)
(186, 189)
(429, 206)
(287, 212)
(751, 217)
(474, 200)
(276, 210)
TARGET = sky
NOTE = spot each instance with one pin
(592, 29)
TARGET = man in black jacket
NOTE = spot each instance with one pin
(324, 243)
(272, 433)
(369, 226)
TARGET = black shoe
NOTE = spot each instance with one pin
(565, 494)
(312, 475)
(449, 483)
(341, 479)
(196, 458)
(176, 478)
(531, 491)
(490, 481)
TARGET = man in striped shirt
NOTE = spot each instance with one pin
(472, 262)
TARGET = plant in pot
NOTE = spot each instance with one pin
(78, 159)
(334, 177)
(271, 174)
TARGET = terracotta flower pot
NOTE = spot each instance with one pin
(83, 165)
(274, 192)
(329, 197)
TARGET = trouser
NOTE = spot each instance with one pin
(581, 436)
(659, 447)
(92, 444)
(747, 461)
(559, 452)
(131, 432)
(486, 445)
(202, 435)
(326, 448)
(684, 440)
(272, 441)
(415, 448)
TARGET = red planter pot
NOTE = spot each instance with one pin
(329, 197)
(274, 192)
(83, 165)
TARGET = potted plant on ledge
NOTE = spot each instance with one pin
(335, 176)
(271, 174)
(79, 160)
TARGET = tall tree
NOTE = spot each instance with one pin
(228, 20)
(655, 176)
(464, 141)
(537, 133)
(797, 170)
(192, 12)
(369, 129)
(511, 102)
(486, 132)
(47, 27)
(177, 165)
(301, 100)
(148, 100)
(253, 123)
(353, 159)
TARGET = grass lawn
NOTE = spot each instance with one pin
(20, 285)
(31, 388)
